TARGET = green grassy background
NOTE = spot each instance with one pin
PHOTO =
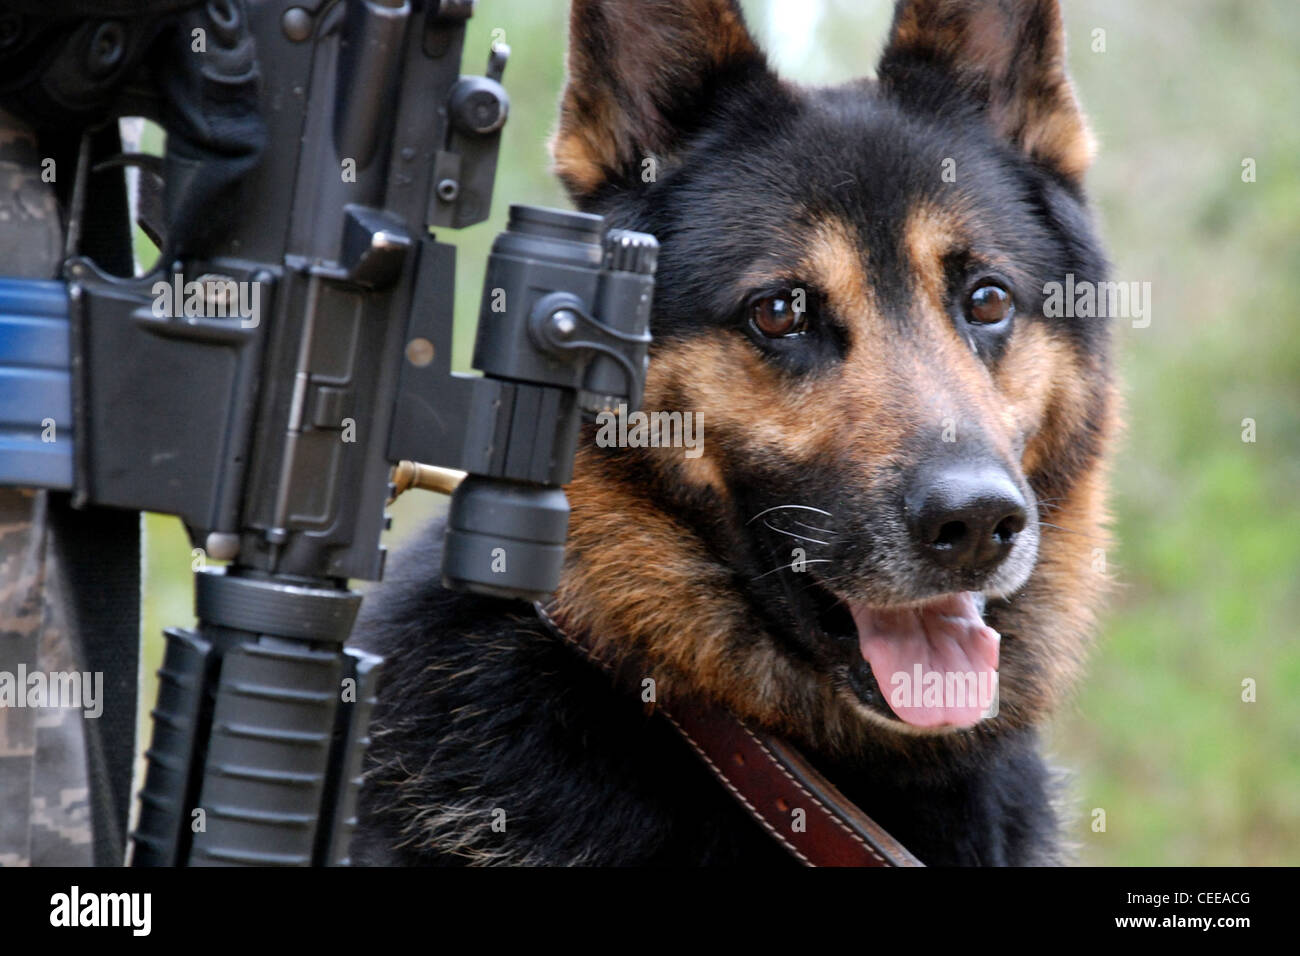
(1208, 552)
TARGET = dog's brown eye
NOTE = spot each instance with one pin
(780, 314)
(989, 304)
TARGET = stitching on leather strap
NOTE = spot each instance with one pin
(813, 797)
(753, 811)
(721, 775)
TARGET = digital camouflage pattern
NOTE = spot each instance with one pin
(44, 794)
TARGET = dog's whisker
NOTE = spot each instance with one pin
(824, 584)
(1057, 527)
(790, 566)
(811, 528)
(792, 534)
(780, 507)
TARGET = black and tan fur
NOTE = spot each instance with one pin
(762, 184)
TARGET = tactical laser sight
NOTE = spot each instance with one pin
(562, 329)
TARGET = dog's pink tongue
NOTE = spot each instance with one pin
(947, 638)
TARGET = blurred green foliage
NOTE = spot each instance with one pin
(1208, 526)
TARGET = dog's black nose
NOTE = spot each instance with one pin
(966, 517)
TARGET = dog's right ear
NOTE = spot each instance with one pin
(642, 75)
(1005, 57)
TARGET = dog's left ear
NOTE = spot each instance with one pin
(1007, 58)
(643, 76)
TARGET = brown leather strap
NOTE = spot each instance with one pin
(790, 799)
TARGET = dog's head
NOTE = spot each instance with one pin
(901, 458)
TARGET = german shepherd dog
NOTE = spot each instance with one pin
(902, 469)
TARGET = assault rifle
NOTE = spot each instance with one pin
(291, 348)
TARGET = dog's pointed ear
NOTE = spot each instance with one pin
(1007, 57)
(642, 75)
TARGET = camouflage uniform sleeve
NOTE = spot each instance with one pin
(21, 567)
(44, 795)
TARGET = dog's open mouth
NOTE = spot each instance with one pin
(932, 665)
(936, 663)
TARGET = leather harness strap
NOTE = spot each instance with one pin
(780, 789)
